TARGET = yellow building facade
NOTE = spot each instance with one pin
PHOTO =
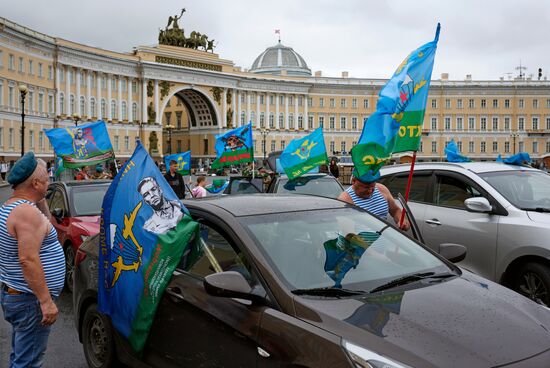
(174, 99)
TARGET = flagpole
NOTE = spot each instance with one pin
(408, 189)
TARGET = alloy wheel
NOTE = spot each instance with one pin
(533, 287)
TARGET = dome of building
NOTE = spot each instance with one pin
(280, 58)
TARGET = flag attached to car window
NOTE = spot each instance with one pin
(183, 161)
(82, 145)
(217, 186)
(396, 125)
(234, 147)
(304, 154)
(453, 154)
(144, 231)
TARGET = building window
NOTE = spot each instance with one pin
(321, 122)
(124, 111)
(134, 87)
(291, 121)
(124, 85)
(11, 62)
(506, 147)
(83, 80)
(471, 103)
(41, 102)
(262, 120)
(31, 67)
(271, 121)
(92, 107)
(127, 143)
(331, 147)
(113, 84)
(21, 65)
(447, 123)
(50, 104)
(271, 99)
(366, 103)
(103, 109)
(61, 104)
(343, 123)
(506, 123)
(535, 147)
(273, 146)
(343, 147)
(521, 147)
(71, 77)
(535, 104)
(300, 100)
(434, 146)
(71, 105)
(506, 104)
(495, 146)
(262, 99)
(332, 103)
(281, 121)
(483, 103)
(548, 103)
(470, 147)
(300, 122)
(447, 103)
(291, 100)
(459, 146)
(495, 104)
(135, 112)
(521, 103)
(521, 123)
(30, 106)
(495, 123)
(321, 102)
(103, 82)
(50, 72)
(310, 122)
(10, 138)
(31, 139)
(354, 123)
(483, 123)
(243, 117)
(343, 103)
(283, 144)
(483, 147)
(354, 103)
(459, 124)
(459, 103)
(434, 124)
(548, 123)
(471, 123)
(547, 147)
(331, 122)
(82, 105)
(535, 122)
(116, 145)
(40, 71)
(41, 140)
(1, 58)
(309, 102)
(434, 103)
(281, 100)
(113, 109)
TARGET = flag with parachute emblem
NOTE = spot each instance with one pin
(396, 125)
(234, 147)
(144, 231)
(302, 155)
(183, 161)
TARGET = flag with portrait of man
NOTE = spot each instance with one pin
(144, 231)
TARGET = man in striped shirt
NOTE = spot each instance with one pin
(32, 265)
(374, 197)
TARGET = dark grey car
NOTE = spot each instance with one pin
(304, 281)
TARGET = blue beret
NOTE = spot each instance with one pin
(368, 177)
(23, 168)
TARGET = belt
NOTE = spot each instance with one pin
(11, 291)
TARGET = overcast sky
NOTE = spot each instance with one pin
(367, 38)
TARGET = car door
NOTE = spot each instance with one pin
(195, 329)
(447, 221)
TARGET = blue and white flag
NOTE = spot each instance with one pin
(302, 155)
(183, 161)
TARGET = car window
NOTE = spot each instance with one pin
(452, 192)
(211, 253)
(88, 199)
(320, 186)
(58, 202)
(243, 186)
(398, 184)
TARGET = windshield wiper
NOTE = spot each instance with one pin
(327, 291)
(537, 209)
(411, 278)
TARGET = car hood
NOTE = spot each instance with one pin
(543, 218)
(89, 224)
(466, 321)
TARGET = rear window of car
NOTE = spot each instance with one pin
(246, 186)
(87, 200)
(398, 184)
(319, 186)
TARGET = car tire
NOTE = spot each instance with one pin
(98, 339)
(533, 281)
(69, 266)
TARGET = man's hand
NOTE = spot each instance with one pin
(49, 312)
(405, 225)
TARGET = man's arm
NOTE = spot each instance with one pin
(29, 228)
(42, 205)
(345, 197)
(394, 209)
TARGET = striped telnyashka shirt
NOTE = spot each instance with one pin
(51, 257)
(376, 203)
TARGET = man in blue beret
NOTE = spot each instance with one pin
(32, 266)
(374, 197)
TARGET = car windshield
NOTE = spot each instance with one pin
(525, 189)
(87, 199)
(246, 185)
(344, 247)
(314, 185)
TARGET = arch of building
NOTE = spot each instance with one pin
(200, 106)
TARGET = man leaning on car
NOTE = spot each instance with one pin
(32, 265)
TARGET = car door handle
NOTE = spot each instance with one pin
(433, 222)
(175, 293)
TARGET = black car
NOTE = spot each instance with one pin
(304, 281)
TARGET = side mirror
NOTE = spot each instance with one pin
(452, 252)
(478, 204)
(57, 213)
(229, 284)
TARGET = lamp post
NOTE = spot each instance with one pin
(23, 93)
(264, 133)
(76, 118)
(514, 136)
(169, 127)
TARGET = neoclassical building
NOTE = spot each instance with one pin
(176, 98)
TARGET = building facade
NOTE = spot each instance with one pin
(174, 99)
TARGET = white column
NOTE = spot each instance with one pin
(276, 111)
(234, 107)
(157, 112)
(247, 107)
(89, 94)
(109, 112)
(130, 101)
(67, 91)
(144, 116)
(224, 108)
(98, 96)
(286, 112)
(57, 100)
(296, 111)
(239, 109)
(119, 104)
(258, 110)
(306, 116)
(77, 94)
(267, 110)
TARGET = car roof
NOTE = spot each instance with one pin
(259, 204)
(313, 175)
(81, 183)
(476, 167)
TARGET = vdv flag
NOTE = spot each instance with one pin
(144, 231)
(396, 125)
(83, 145)
(234, 147)
(453, 154)
(183, 162)
(217, 186)
(302, 155)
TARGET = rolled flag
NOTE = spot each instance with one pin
(453, 154)
(521, 158)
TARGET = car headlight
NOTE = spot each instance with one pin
(364, 358)
(84, 237)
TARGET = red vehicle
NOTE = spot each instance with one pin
(76, 208)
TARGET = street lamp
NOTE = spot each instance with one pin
(514, 136)
(169, 127)
(264, 133)
(75, 118)
(23, 93)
